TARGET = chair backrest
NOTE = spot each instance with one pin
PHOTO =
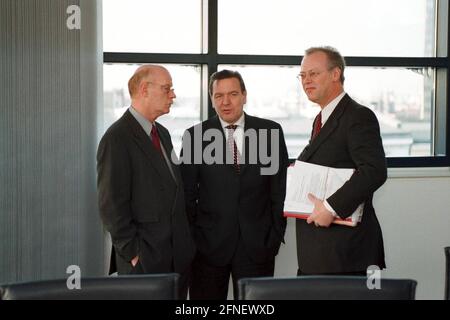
(126, 287)
(447, 273)
(324, 288)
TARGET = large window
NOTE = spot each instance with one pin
(396, 52)
(404, 113)
(399, 28)
(171, 26)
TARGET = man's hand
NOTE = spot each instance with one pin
(135, 261)
(320, 215)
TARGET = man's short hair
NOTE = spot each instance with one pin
(335, 59)
(226, 74)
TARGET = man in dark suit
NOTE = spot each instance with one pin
(141, 196)
(345, 135)
(235, 203)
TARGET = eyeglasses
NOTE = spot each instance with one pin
(164, 87)
(313, 74)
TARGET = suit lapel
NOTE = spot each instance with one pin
(144, 143)
(169, 149)
(328, 128)
(249, 124)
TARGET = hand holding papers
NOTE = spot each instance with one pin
(321, 181)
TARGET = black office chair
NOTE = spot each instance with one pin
(447, 273)
(324, 288)
(126, 287)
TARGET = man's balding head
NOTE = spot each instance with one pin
(151, 91)
(144, 72)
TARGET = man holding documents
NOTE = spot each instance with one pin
(345, 135)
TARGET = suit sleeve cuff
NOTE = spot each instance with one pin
(329, 208)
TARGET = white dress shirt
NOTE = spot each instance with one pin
(238, 134)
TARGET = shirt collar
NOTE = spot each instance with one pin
(145, 124)
(329, 108)
(239, 123)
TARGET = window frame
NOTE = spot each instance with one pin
(209, 60)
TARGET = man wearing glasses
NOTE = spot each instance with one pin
(345, 135)
(141, 198)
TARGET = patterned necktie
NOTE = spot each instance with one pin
(233, 147)
(317, 125)
(155, 139)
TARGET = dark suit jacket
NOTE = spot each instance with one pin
(349, 139)
(141, 204)
(222, 204)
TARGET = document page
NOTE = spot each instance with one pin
(304, 178)
(321, 181)
(336, 179)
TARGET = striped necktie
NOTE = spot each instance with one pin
(233, 147)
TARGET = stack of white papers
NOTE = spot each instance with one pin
(322, 182)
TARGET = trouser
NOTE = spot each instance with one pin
(209, 282)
